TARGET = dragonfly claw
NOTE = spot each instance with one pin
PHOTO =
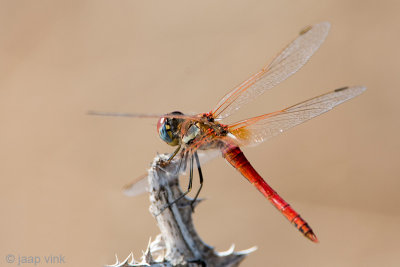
(163, 163)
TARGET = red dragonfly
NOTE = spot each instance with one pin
(193, 133)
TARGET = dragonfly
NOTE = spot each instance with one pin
(192, 134)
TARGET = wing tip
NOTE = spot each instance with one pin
(325, 25)
(341, 89)
(356, 89)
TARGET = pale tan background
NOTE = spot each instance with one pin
(62, 171)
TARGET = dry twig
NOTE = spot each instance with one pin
(178, 244)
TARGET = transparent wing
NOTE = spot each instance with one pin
(141, 115)
(258, 129)
(139, 186)
(208, 155)
(290, 60)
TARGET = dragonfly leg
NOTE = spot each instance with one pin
(200, 177)
(185, 162)
(174, 154)
(185, 193)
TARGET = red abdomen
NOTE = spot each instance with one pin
(236, 158)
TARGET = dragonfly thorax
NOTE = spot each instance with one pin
(200, 133)
(199, 129)
(192, 132)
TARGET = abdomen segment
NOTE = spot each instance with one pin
(236, 158)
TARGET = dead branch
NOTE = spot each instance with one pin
(178, 244)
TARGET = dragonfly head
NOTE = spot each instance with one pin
(168, 128)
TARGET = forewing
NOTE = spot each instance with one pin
(258, 129)
(290, 60)
(142, 115)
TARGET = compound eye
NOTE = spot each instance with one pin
(160, 124)
(164, 130)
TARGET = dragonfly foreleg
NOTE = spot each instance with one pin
(165, 163)
(173, 154)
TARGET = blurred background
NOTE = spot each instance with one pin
(62, 171)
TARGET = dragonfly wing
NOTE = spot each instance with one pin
(137, 187)
(141, 115)
(208, 155)
(258, 129)
(290, 60)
